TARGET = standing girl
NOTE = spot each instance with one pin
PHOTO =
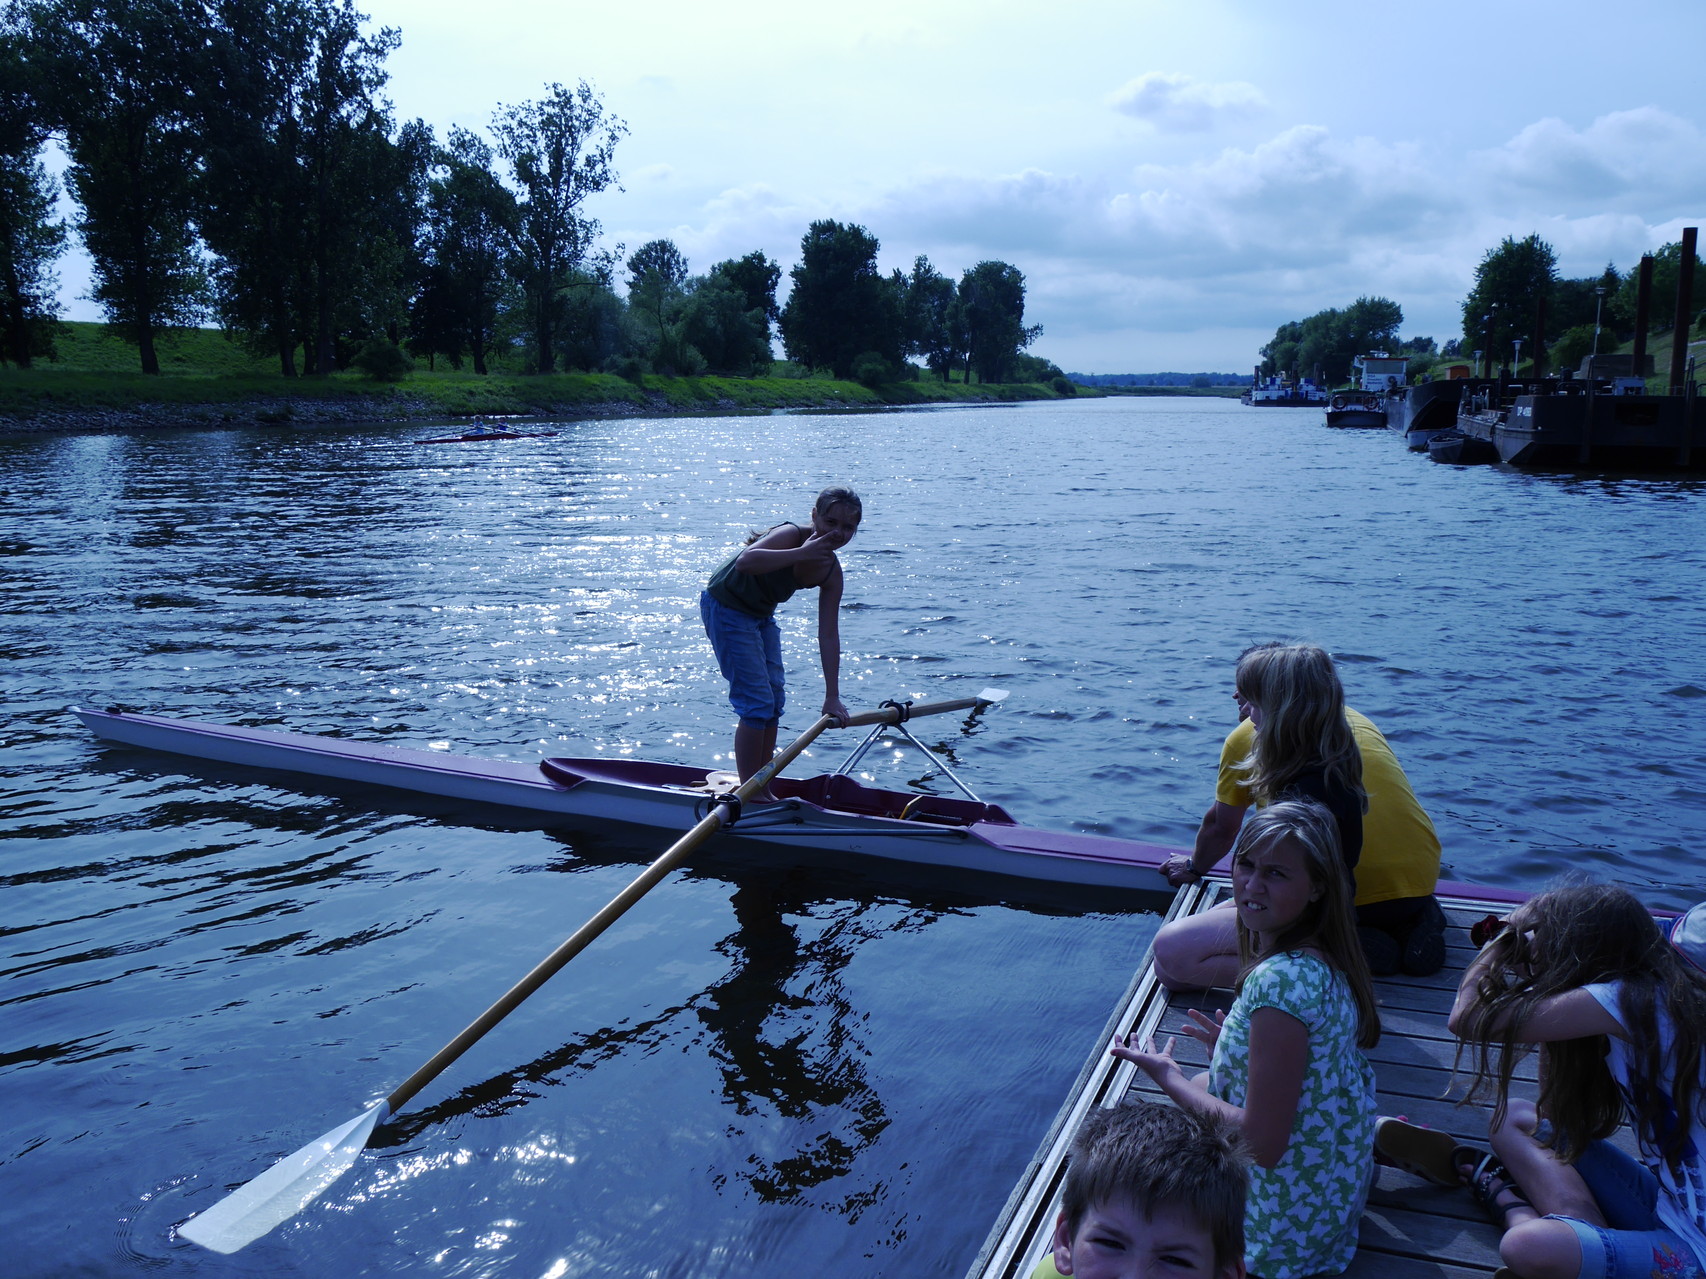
(1620, 1017)
(1286, 1064)
(739, 605)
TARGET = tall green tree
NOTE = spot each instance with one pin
(756, 276)
(471, 220)
(594, 327)
(932, 320)
(991, 304)
(657, 284)
(840, 306)
(1667, 270)
(559, 151)
(118, 84)
(718, 322)
(727, 314)
(1509, 283)
(253, 194)
(31, 237)
(357, 237)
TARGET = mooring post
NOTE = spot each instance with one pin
(1690, 406)
(1539, 338)
(1643, 314)
(1684, 311)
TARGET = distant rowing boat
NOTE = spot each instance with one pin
(831, 812)
(482, 434)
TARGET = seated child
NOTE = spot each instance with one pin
(1286, 1065)
(1151, 1189)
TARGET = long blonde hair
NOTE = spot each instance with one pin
(1329, 922)
(1573, 936)
(1303, 721)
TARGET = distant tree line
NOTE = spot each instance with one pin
(236, 160)
(1517, 292)
(1161, 379)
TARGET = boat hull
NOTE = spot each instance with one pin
(1422, 411)
(1624, 430)
(489, 437)
(1461, 448)
(1360, 418)
(827, 814)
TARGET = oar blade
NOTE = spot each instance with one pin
(283, 1190)
(991, 695)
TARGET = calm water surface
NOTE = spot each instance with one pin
(771, 1067)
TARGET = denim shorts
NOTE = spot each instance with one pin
(749, 654)
(1636, 1245)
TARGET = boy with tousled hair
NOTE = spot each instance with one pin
(1152, 1192)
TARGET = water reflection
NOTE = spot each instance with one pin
(787, 1056)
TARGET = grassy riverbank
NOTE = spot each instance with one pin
(207, 380)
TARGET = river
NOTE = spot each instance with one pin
(770, 1067)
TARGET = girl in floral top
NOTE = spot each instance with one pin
(1287, 1065)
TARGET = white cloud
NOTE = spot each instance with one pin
(1644, 160)
(1179, 104)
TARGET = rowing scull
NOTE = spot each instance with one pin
(831, 811)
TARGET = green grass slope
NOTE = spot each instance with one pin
(207, 378)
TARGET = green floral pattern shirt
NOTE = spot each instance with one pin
(1303, 1213)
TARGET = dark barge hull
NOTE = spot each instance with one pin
(1422, 411)
(1647, 432)
(1356, 416)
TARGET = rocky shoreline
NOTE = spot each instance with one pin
(289, 411)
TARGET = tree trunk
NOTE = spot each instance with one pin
(145, 344)
(324, 349)
(17, 328)
(544, 358)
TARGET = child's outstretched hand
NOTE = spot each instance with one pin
(1158, 1065)
(1205, 1029)
(819, 549)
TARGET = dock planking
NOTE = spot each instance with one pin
(1411, 1228)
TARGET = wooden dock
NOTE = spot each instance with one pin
(1411, 1229)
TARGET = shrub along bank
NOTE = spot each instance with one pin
(206, 380)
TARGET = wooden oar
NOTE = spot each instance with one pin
(295, 1181)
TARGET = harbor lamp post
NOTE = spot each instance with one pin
(1516, 360)
(1478, 354)
(1598, 299)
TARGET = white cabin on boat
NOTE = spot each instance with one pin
(1378, 371)
(1274, 389)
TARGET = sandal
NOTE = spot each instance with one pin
(1488, 1180)
(1427, 1153)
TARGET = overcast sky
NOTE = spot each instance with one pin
(1174, 177)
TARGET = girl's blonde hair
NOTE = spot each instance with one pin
(1329, 922)
(1303, 721)
(1574, 936)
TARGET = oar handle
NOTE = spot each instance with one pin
(672, 857)
(892, 715)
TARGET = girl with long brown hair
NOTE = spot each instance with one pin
(1619, 1017)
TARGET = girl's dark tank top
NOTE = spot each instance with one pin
(755, 593)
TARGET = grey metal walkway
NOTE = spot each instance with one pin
(1412, 1229)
